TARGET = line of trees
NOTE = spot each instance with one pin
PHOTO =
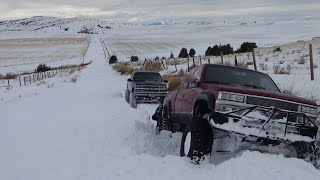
(228, 49)
(184, 53)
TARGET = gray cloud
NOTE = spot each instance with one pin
(151, 8)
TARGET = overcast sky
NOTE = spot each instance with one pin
(11, 9)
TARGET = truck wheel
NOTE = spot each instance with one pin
(309, 152)
(164, 122)
(132, 100)
(201, 135)
(126, 95)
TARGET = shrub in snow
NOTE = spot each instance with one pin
(113, 59)
(277, 49)
(249, 63)
(263, 66)
(266, 59)
(281, 61)
(183, 53)
(277, 69)
(134, 58)
(217, 50)
(192, 52)
(171, 55)
(123, 68)
(246, 47)
(43, 68)
(85, 31)
(243, 64)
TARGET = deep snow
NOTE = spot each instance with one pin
(86, 130)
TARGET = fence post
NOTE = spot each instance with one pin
(194, 64)
(188, 64)
(311, 62)
(254, 59)
(175, 64)
(20, 81)
(221, 55)
(24, 80)
(8, 82)
(200, 60)
(144, 62)
(163, 63)
(30, 78)
(34, 80)
(235, 61)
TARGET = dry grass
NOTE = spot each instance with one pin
(249, 63)
(9, 76)
(263, 66)
(243, 64)
(277, 69)
(174, 80)
(123, 68)
(155, 66)
(302, 60)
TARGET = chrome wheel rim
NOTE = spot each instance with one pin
(187, 143)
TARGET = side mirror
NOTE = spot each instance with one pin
(165, 81)
(130, 80)
(288, 92)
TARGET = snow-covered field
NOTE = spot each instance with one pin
(84, 129)
(25, 54)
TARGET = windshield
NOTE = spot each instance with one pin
(239, 77)
(147, 76)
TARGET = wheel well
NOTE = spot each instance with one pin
(205, 102)
(202, 106)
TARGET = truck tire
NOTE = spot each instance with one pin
(126, 95)
(132, 100)
(164, 122)
(309, 152)
(201, 135)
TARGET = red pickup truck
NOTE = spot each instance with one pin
(220, 93)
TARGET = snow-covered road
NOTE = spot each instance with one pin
(86, 130)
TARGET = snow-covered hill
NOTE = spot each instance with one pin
(55, 24)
